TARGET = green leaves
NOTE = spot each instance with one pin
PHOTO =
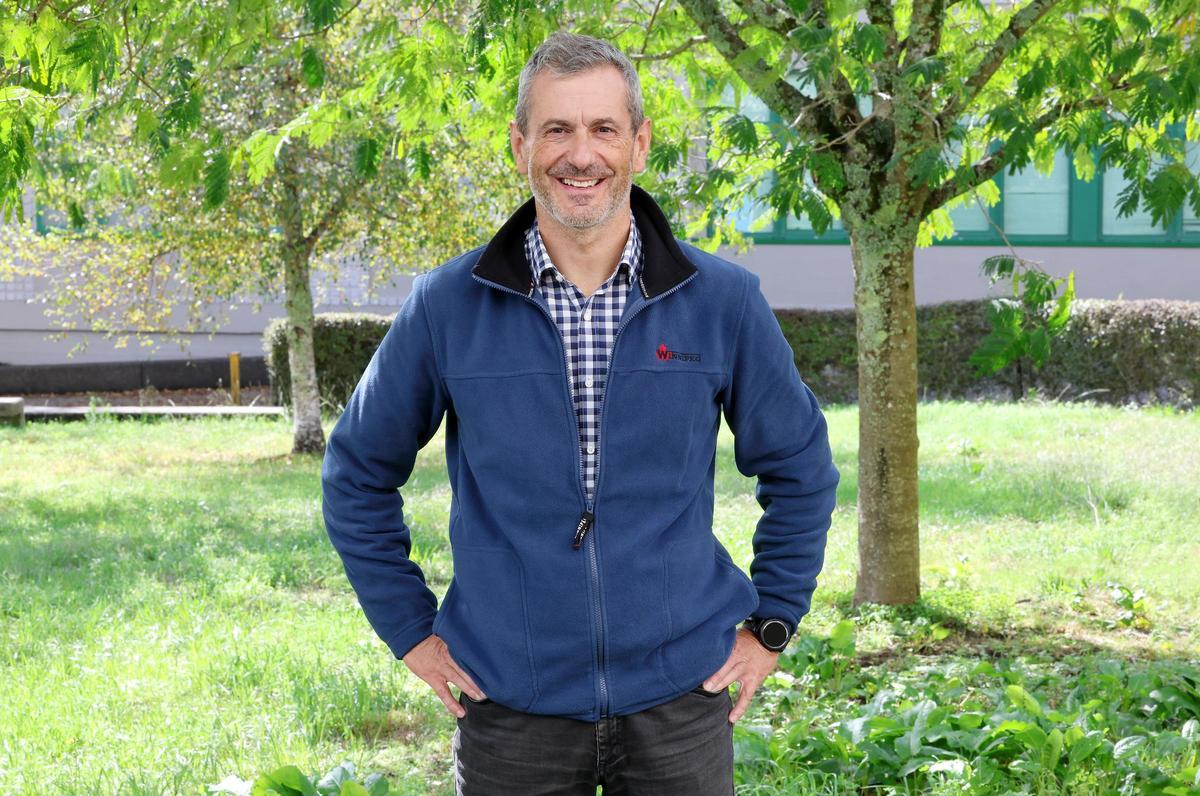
(664, 156)
(1024, 325)
(740, 132)
(216, 179)
(366, 157)
(868, 42)
(260, 149)
(1101, 32)
(1022, 699)
(992, 726)
(182, 111)
(1167, 190)
(925, 71)
(291, 781)
(92, 49)
(312, 68)
(284, 781)
(419, 161)
(321, 13)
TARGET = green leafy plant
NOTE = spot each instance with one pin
(826, 659)
(291, 781)
(1022, 326)
(1132, 603)
(979, 727)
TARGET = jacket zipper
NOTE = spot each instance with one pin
(587, 519)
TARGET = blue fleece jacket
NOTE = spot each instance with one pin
(559, 605)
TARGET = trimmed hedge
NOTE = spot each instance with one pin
(343, 343)
(1118, 352)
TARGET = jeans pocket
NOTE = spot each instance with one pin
(710, 694)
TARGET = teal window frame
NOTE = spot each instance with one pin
(1085, 212)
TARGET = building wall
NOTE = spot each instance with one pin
(793, 276)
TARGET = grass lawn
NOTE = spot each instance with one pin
(172, 612)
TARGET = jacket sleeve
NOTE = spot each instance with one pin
(780, 436)
(394, 411)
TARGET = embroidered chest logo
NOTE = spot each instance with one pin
(662, 352)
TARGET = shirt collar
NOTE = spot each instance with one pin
(539, 258)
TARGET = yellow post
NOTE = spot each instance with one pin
(235, 377)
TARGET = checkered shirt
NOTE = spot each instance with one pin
(588, 325)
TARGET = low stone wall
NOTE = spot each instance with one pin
(162, 374)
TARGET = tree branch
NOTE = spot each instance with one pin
(671, 53)
(322, 31)
(331, 213)
(650, 27)
(991, 165)
(879, 12)
(779, 95)
(928, 17)
(770, 16)
(993, 59)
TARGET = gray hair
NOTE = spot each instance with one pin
(564, 53)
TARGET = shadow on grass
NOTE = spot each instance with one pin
(950, 491)
(1046, 631)
(194, 529)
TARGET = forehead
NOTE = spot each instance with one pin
(584, 96)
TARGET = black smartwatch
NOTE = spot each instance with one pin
(772, 632)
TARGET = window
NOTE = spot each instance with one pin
(1035, 204)
(1138, 223)
(1191, 222)
(754, 215)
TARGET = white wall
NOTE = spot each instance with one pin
(821, 276)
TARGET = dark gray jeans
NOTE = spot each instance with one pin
(684, 746)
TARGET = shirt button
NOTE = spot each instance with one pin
(587, 315)
(591, 448)
(588, 382)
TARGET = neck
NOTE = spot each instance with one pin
(587, 257)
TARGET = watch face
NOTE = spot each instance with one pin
(774, 633)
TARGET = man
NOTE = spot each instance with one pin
(582, 360)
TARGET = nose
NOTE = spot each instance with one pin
(579, 151)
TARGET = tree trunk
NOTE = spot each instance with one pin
(886, 329)
(307, 434)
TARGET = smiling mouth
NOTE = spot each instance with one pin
(580, 186)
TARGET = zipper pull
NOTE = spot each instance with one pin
(585, 522)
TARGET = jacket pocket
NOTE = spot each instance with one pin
(727, 560)
(484, 622)
(707, 596)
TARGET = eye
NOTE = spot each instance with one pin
(606, 127)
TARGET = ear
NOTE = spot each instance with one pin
(641, 147)
(517, 142)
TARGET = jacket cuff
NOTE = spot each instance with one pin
(403, 642)
(768, 607)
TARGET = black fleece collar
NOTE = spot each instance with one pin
(664, 264)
